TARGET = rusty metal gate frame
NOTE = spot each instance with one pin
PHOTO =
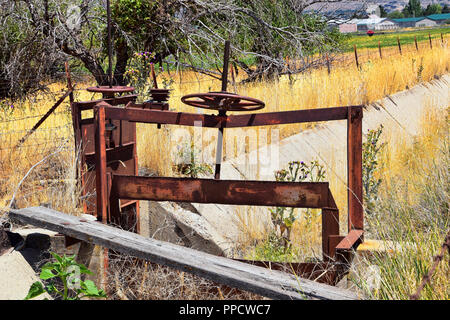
(338, 250)
(122, 147)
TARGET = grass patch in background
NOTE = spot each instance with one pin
(389, 38)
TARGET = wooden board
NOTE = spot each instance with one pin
(262, 281)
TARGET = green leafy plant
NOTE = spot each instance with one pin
(68, 271)
(138, 73)
(189, 166)
(372, 148)
(283, 218)
(273, 249)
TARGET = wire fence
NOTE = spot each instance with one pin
(57, 129)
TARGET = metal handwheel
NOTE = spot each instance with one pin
(222, 101)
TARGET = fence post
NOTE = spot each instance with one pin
(328, 63)
(356, 57)
(431, 43)
(442, 38)
(399, 45)
(379, 50)
(415, 41)
(354, 171)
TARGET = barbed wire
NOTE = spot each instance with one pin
(34, 116)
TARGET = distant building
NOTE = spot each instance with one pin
(369, 24)
(440, 18)
(348, 28)
(426, 22)
(415, 22)
(387, 24)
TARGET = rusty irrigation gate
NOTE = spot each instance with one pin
(114, 187)
(109, 167)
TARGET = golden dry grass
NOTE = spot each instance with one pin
(51, 181)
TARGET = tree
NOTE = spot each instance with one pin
(383, 12)
(413, 9)
(433, 9)
(396, 15)
(446, 9)
(189, 33)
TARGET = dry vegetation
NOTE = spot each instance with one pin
(406, 166)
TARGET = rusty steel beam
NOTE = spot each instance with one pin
(231, 121)
(235, 192)
(354, 167)
(330, 227)
(100, 164)
(351, 240)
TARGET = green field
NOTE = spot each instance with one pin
(389, 38)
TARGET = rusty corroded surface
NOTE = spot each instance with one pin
(224, 101)
(260, 193)
(108, 89)
(139, 114)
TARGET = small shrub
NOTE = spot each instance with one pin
(283, 218)
(371, 165)
(188, 164)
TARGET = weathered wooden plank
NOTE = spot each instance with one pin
(269, 283)
(236, 192)
(231, 121)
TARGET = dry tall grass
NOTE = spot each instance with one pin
(53, 180)
(413, 216)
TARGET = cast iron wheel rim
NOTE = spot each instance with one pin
(113, 89)
(222, 101)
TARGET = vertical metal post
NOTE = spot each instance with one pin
(108, 13)
(356, 57)
(330, 228)
(226, 59)
(399, 45)
(328, 63)
(76, 125)
(100, 164)
(379, 49)
(415, 41)
(431, 43)
(354, 171)
(101, 180)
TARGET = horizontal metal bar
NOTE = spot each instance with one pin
(231, 121)
(235, 192)
(351, 240)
